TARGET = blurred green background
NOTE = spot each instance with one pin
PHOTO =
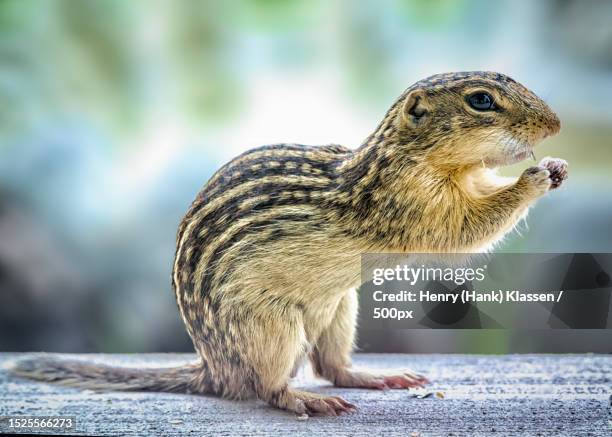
(115, 113)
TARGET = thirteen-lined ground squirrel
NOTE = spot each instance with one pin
(267, 257)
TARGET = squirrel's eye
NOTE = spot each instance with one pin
(481, 101)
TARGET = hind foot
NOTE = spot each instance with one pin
(312, 404)
(381, 381)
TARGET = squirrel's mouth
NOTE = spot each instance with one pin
(524, 154)
(514, 150)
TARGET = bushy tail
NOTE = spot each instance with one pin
(81, 374)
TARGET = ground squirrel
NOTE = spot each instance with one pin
(267, 257)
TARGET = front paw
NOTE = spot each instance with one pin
(557, 168)
(537, 179)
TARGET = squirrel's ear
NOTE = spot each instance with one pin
(415, 108)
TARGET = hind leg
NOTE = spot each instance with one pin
(312, 404)
(276, 342)
(331, 357)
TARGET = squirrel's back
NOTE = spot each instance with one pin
(257, 193)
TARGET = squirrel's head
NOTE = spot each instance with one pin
(469, 118)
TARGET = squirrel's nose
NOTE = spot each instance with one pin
(553, 125)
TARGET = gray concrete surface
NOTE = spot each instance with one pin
(484, 395)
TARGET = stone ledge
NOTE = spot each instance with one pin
(504, 394)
